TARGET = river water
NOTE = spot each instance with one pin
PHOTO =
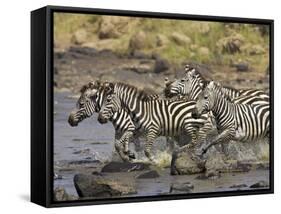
(85, 149)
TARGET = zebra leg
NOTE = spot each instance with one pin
(119, 149)
(150, 138)
(223, 137)
(125, 144)
(225, 149)
(170, 144)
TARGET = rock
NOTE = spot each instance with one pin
(186, 187)
(204, 51)
(76, 51)
(204, 28)
(184, 165)
(257, 50)
(83, 151)
(149, 174)
(102, 186)
(242, 66)
(193, 47)
(140, 68)
(242, 167)
(161, 40)
(212, 174)
(79, 162)
(180, 39)
(202, 177)
(214, 163)
(139, 55)
(124, 167)
(260, 184)
(238, 186)
(112, 26)
(138, 41)
(231, 44)
(79, 37)
(161, 65)
(61, 195)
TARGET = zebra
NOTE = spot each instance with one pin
(154, 117)
(86, 105)
(192, 85)
(90, 101)
(235, 121)
(193, 82)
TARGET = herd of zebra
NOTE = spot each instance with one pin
(190, 106)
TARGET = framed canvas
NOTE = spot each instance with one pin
(131, 106)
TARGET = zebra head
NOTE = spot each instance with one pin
(109, 108)
(190, 85)
(194, 84)
(86, 104)
(175, 88)
(207, 99)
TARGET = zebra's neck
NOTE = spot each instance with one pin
(130, 99)
(196, 89)
(222, 111)
(231, 93)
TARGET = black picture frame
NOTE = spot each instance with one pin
(42, 42)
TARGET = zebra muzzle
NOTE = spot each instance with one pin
(71, 120)
(102, 119)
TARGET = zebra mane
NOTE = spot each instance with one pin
(196, 69)
(231, 88)
(84, 88)
(90, 85)
(142, 94)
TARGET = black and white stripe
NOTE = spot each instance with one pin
(93, 95)
(155, 117)
(193, 82)
(235, 121)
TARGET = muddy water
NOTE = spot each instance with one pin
(86, 148)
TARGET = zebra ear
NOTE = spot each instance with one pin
(192, 72)
(109, 87)
(186, 67)
(166, 81)
(98, 83)
(211, 84)
(94, 84)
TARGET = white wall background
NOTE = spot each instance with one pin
(15, 107)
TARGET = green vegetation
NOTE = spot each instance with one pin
(176, 40)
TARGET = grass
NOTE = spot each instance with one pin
(201, 34)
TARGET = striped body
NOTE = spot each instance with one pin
(155, 117)
(193, 84)
(91, 100)
(235, 121)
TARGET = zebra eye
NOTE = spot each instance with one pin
(182, 80)
(205, 97)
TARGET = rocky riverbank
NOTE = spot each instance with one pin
(145, 181)
(77, 66)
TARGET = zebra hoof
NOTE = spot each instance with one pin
(174, 171)
(132, 155)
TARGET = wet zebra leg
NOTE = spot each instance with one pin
(150, 138)
(119, 149)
